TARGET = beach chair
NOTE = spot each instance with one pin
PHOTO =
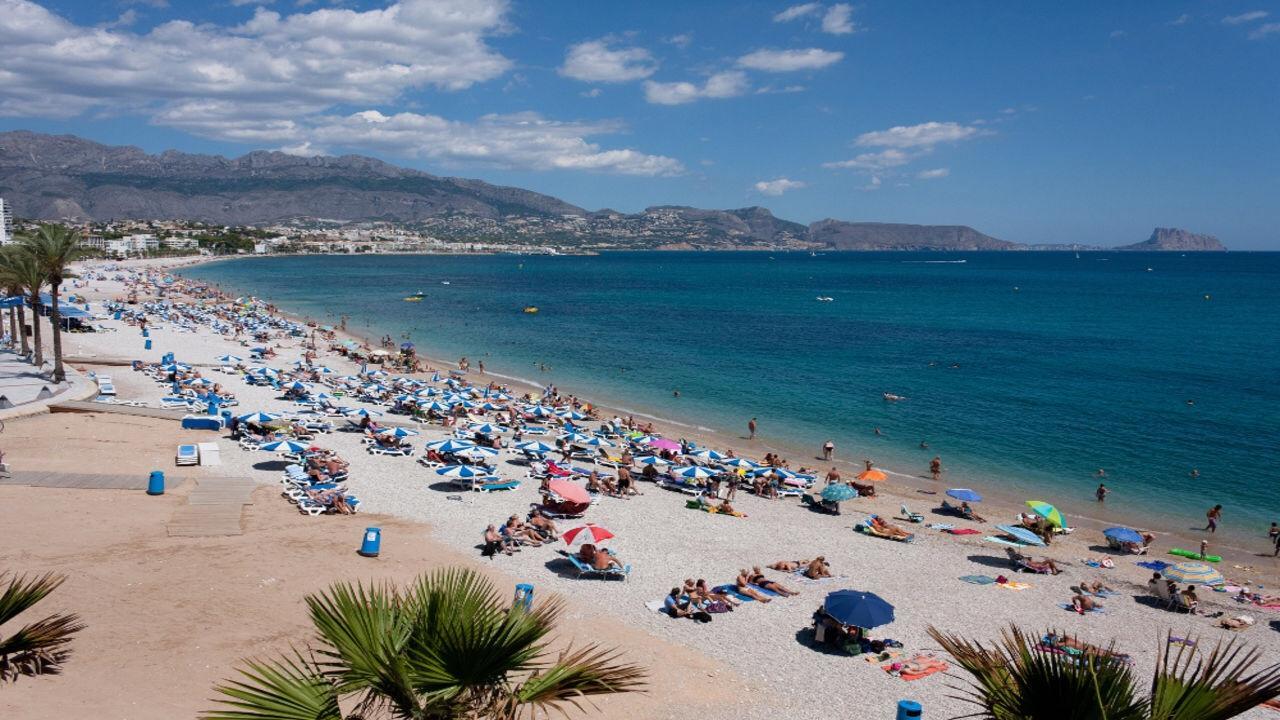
(911, 516)
(585, 570)
(105, 386)
(401, 451)
(868, 529)
(495, 484)
(187, 455)
(1022, 563)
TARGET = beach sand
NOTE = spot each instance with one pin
(755, 662)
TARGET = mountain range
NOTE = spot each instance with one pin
(64, 177)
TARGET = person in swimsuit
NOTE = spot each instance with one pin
(818, 569)
(757, 578)
(743, 588)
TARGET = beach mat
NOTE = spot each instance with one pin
(800, 576)
(732, 591)
(657, 606)
(978, 579)
(1014, 585)
(1071, 608)
(963, 531)
(1002, 541)
(1156, 565)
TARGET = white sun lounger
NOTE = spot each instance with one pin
(187, 455)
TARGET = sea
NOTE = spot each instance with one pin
(1026, 372)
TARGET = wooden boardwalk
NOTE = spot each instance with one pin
(113, 409)
(213, 508)
(78, 481)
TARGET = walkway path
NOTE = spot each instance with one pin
(79, 481)
(214, 507)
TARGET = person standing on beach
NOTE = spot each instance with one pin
(1102, 492)
(935, 468)
(828, 449)
(1214, 515)
(751, 429)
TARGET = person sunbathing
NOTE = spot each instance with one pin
(818, 569)
(1083, 603)
(1044, 564)
(886, 528)
(1097, 587)
(598, 559)
(757, 578)
(1074, 646)
(743, 588)
(494, 542)
(726, 508)
(967, 513)
(788, 566)
(704, 593)
(544, 526)
(520, 532)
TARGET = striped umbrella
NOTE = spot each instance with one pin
(361, 412)
(451, 445)
(259, 418)
(398, 432)
(1194, 572)
(741, 463)
(586, 534)
(436, 407)
(285, 446)
(651, 460)
(479, 452)
(534, 446)
(297, 386)
(229, 359)
(1048, 512)
(265, 372)
(487, 428)
(570, 414)
(462, 471)
(1021, 534)
(695, 472)
(708, 454)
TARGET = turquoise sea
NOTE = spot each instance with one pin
(1026, 372)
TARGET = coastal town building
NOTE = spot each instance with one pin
(6, 223)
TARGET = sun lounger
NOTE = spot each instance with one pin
(187, 455)
(105, 386)
(403, 451)
(201, 422)
(909, 516)
(585, 569)
(868, 529)
(680, 486)
(491, 486)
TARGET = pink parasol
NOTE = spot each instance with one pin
(665, 444)
(570, 492)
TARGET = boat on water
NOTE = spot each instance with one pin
(530, 309)
(825, 298)
(893, 398)
(416, 297)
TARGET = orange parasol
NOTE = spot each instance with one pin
(873, 475)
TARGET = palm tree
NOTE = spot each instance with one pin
(1019, 678)
(23, 270)
(444, 647)
(54, 248)
(39, 648)
(13, 288)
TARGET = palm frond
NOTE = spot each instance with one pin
(1190, 686)
(576, 676)
(41, 647)
(291, 688)
(21, 593)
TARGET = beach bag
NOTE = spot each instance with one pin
(718, 606)
(701, 616)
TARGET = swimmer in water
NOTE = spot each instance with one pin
(878, 432)
(924, 445)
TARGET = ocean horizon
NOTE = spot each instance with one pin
(1026, 372)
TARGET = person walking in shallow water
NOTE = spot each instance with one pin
(828, 449)
(1214, 515)
(935, 468)
(751, 429)
(1102, 492)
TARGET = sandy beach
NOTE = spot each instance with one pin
(155, 604)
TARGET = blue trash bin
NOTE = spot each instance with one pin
(372, 542)
(155, 484)
(909, 710)
(118, 315)
(147, 345)
(146, 333)
(523, 597)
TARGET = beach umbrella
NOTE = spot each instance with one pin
(1048, 512)
(872, 475)
(285, 446)
(398, 432)
(1021, 534)
(708, 454)
(570, 414)
(490, 407)
(462, 471)
(651, 460)
(296, 385)
(569, 491)
(479, 452)
(323, 370)
(838, 492)
(175, 367)
(450, 445)
(1123, 534)
(486, 428)
(741, 463)
(437, 407)
(586, 534)
(1194, 573)
(964, 495)
(695, 472)
(858, 608)
(539, 411)
(361, 412)
(199, 382)
(259, 418)
(534, 446)
(229, 359)
(664, 444)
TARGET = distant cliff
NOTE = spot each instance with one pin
(1176, 240)
(842, 235)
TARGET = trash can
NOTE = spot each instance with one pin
(909, 710)
(146, 333)
(148, 344)
(523, 597)
(372, 542)
(155, 484)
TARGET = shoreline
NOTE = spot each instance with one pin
(920, 493)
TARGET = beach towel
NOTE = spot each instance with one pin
(800, 576)
(1155, 565)
(657, 606)
(941, 527)
(1072, 608)
(978, 579)
(1002, 541)
(963, 531)
(732, 591)
(1011, 585)
(920, 666)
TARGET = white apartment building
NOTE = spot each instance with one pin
(6, 223)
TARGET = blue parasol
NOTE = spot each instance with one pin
(858, 608)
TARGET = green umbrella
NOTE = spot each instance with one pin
(838, 493)
(1048, 512)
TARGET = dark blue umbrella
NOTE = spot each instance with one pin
(1123, 534)
(858, 608)
(964, 495)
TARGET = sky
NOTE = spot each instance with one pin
(1087, 122)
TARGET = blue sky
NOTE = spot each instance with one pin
(1036, 122)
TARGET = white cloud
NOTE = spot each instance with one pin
(914, 136)
(242, 3)
(777, 187)
(933, 174)
(683, 40)
(592, 93)
(595, 61)
(521, 140)
(873, 184)
(305, 149)
(790, 60)
(873, 161)
(1265, 30)
(731, 83)
(838, 20)
(1245, 17)
(795, 12)
(126, 18)
(1182, 19)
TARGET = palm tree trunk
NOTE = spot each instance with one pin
(22, 324)
(38, 359)
(59, 372)
(13, 327)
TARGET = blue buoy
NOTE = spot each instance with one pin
(155, 485)
(523, 597)
(372, 542)
(148, 344)
(909, 710)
